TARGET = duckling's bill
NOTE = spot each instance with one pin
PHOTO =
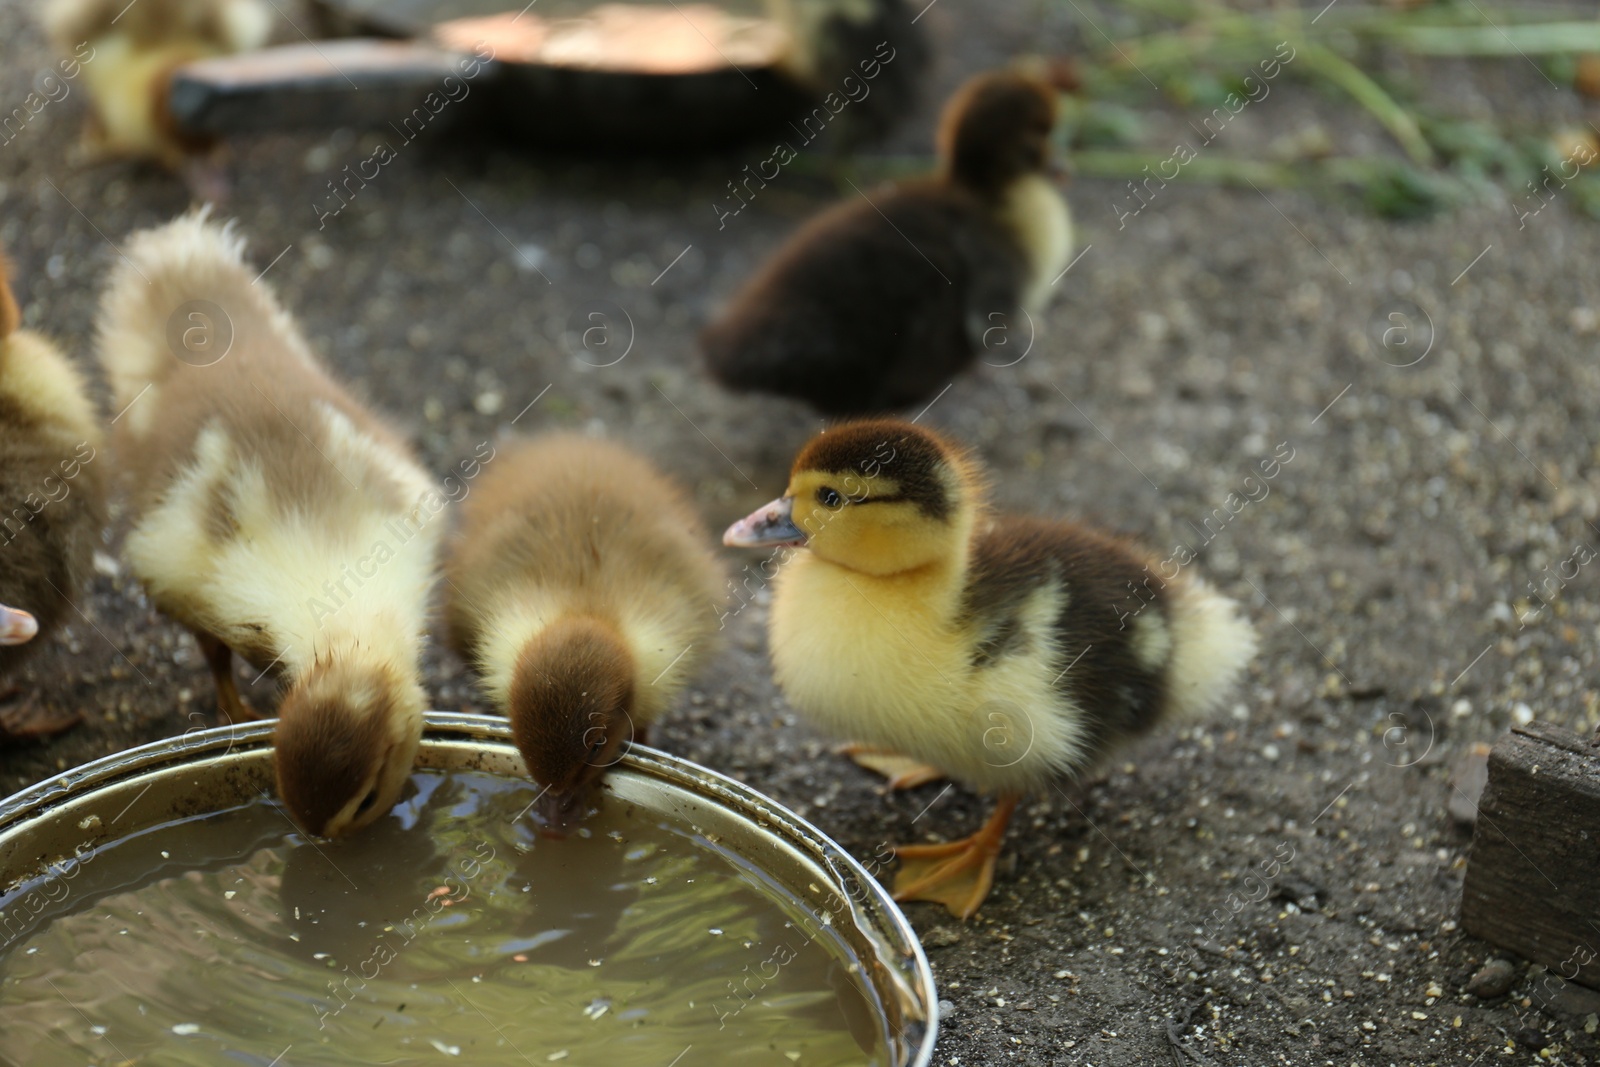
(559, 812)
(770, 524)
(17, 627)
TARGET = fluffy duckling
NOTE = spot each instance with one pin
(1009, 652)
(877, 303)
(132, 51)
(869, 56)
(272, 515)
(582, 586)
(51, 491)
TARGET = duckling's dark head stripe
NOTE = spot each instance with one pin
(917, 461)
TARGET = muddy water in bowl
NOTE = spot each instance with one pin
(451, 929)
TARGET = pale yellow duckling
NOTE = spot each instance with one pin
(127, 53)
(272, 515)
(1009, 652)
(582, 585)
(52, 494)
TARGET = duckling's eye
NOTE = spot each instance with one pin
(367, 801)
(829, 497)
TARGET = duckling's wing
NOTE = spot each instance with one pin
(1075, 606)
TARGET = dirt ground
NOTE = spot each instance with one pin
(1435, 384)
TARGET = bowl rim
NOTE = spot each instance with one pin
(875, 913)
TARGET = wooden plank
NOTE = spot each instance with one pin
(322, 85)
(1533, 877)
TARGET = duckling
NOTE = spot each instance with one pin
(582, 586)
(52, 494)
(133, 50)
(877, 303)
(1010, 652)
(272, 515)
(862, 61)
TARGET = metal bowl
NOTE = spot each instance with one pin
(204, 771)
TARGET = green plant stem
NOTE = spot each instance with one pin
(1370, 95)
(1219, 169)
(1215, 169)
(1547, 38)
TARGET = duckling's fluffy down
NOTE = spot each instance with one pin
(229, 25)
(52, 478)
(179, 287)
(569, 525)
(1212, 644)
(268, 507)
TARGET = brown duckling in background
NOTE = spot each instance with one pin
(877, 303)
(582, 585)
(1010, 652)
(52, 500)
(869, 55)
(128, 52)
(272, 515)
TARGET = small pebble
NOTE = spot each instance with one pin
(1493, 979)
(1528, 1037)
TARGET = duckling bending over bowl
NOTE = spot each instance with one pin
(52, 493)
(879, 302)
(1010, 652)
(582, 584)
(272, 515)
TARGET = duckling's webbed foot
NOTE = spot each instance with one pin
(958, 874)
(219, 657)
(903, 772)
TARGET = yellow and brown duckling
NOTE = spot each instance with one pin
(1009, 652)
(272, 515)
(52, 496)
(127, 54)
(861, 63)
(879, 302)
(582, 585)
